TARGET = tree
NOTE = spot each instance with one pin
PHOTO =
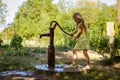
(65, 6)
(118, 18)
(34, 17)
(3, 11)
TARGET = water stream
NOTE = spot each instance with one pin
(43, 58)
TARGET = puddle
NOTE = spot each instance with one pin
(58, 67)
(16, 72)
(44, 67)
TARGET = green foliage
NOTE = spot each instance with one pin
(116, 45)
(97, 31)
(1, 41)
(102, 44)
(16, 41)
(34, 18)
(3, 12)
(117, 41)
(99, 43)
(69, 42)
(97, 40)
(5, 46)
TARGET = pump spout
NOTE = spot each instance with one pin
(45, 34)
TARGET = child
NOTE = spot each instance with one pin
(82, 39)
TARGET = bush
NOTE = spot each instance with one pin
(1, 41)
(117, 42)
(116, 45)
(5, 46)
(99, 43)
(16, 42)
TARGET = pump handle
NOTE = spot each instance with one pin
(56, 23)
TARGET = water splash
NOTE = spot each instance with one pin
(58, 67)
(43, 59)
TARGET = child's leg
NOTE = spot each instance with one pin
(74, 56)
(86, 57)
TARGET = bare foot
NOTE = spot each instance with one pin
(86, 67)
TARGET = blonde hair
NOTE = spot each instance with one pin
(78, 18)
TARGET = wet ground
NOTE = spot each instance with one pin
(39, 72)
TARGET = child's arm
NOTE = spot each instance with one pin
(79, 30)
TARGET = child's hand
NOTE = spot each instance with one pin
(74, 38)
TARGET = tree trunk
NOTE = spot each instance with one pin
(118, 18)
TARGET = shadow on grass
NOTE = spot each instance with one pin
(24, 62)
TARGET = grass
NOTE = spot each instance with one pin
(25, 58)
(93, 74)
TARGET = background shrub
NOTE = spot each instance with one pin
(1, 41)
(16, 41)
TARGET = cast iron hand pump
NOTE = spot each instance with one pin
(51, 48)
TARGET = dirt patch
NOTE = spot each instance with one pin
(96, 59)
(66, 58)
